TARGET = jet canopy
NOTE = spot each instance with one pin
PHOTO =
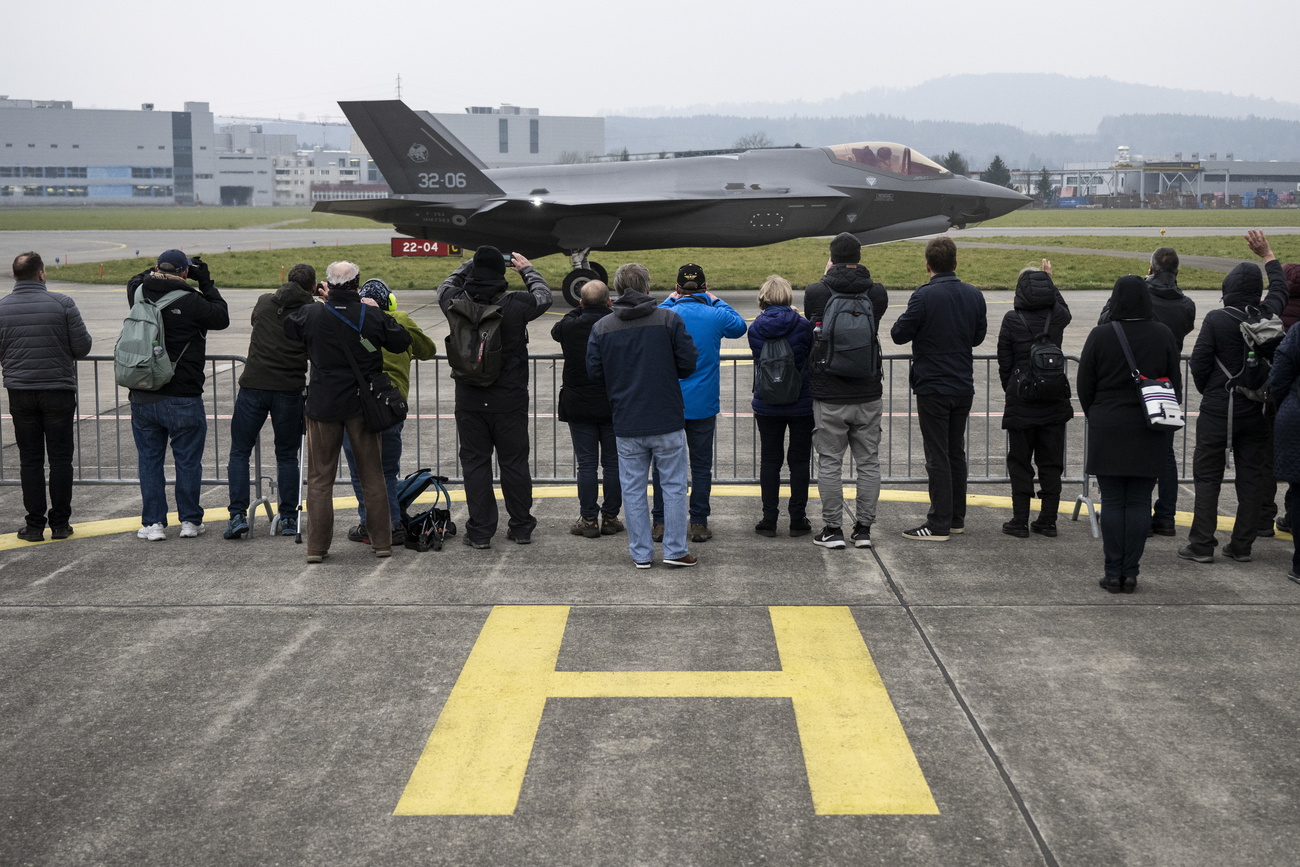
(887, 157)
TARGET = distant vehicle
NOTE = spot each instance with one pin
(879, 191)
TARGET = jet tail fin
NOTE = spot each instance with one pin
(415, 153)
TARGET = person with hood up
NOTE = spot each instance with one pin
(1035, 429)
(638, 354)
(1170, 306)
(1228, 420)
(846, 410)
(1284, 385)
(495, 417)
(1290, 314)
(1123, 453)
(776, 320)
(272, 384)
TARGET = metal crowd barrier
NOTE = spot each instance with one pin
(105, 450)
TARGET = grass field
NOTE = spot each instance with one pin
(70, 219)
(900, 265)
(1246, 218)
(1285, 247)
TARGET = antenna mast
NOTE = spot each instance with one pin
(399, 85)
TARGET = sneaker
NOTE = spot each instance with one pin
(923, 533)
(1187, 553)
(481, 546)
(657, 532)
(642, 564)
(61, 532)
(586, 527)
(316, 558)
(1294, 577)
(152, 532)
(829, 537)
(699, 532)
(684, 560)
(1043, 528)
(766, 528)
(32, 534)
(359, 533)
(1019, 529)
(236, 527)
(800, 526)
(399, 535)
(610, 524)
(288, 523)
(1232, 554)
(861, 536)
(192, 531)
(384, 552)
(520, 536)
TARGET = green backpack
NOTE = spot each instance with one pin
(140, 359)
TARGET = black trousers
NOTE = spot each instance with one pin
(44, 420)
(1043, 445)
(1252, 456)
(773, 452)
(943, 432)
(507, 433)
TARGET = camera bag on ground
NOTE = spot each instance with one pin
(1159, 401)
(427, 529)
(140, 359)
(847, 346)
(1043, 379)
(777, 379)
(474, 344)
(382, 405)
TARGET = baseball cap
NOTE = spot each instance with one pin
(690, 274)
(173, 262)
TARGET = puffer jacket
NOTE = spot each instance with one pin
(186, 323)
(1284, 384)
(773, 323)
(1168, 305)
(41, 336)
(275, 362)
(1037, 299)
(1220, 338)
(581, 400)
(846, 279)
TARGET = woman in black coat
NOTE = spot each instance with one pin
(1284, 385)
(1123, 453)
(1035, 429)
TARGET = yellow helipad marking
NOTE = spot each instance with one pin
(857, 756)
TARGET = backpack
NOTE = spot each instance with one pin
(847, 345)
(140, 359)
(1043, 379)
(429, 528)
(474, 344)
(777, 379)
(1262, 334)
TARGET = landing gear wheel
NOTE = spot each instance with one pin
(601, 274)
(574, 281)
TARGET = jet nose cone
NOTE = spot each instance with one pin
(1001, 201)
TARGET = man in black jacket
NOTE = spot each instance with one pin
(496, 416)
(175, 411)
(41, 337)
(846, 410)
(945, 320)
(272, 384)
(1231, 420)
(340, 328)
(585, 407)
(1178, 312)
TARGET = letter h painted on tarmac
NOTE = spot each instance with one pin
(857, 756)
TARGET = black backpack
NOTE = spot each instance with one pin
(1042, 379)
(847, 345)
(777, 379)
(428, 529)
(474, 344)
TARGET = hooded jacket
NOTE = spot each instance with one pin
(1168, 305)
(1037, 299)
(1284, 383)
(398, 364)
(186, 322)
(1220, 337)
(275, 362)
(774, 323)
(847, 279)
(1291, 313)
(510, 391)
(41, 336)
(945, 320)
(708, 320)
(639, 353)
(581, 400)
(1119, 441)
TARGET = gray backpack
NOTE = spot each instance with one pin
(847, 346)
(140, 359)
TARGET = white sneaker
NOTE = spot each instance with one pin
(152, 532)
(190, 531)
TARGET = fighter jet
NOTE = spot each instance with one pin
(879, 191)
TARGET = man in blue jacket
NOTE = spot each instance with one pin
(708, 319)
(945, 320)
(638, 353)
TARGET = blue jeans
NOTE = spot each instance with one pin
(699, 443)
(181, 420)
(252, 406)
(1167, 487)
(390, 444)
(1125, 520)
(668, 451)
(594, 443)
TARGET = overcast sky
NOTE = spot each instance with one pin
(268, 59)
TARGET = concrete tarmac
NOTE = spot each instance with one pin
(979, 701)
